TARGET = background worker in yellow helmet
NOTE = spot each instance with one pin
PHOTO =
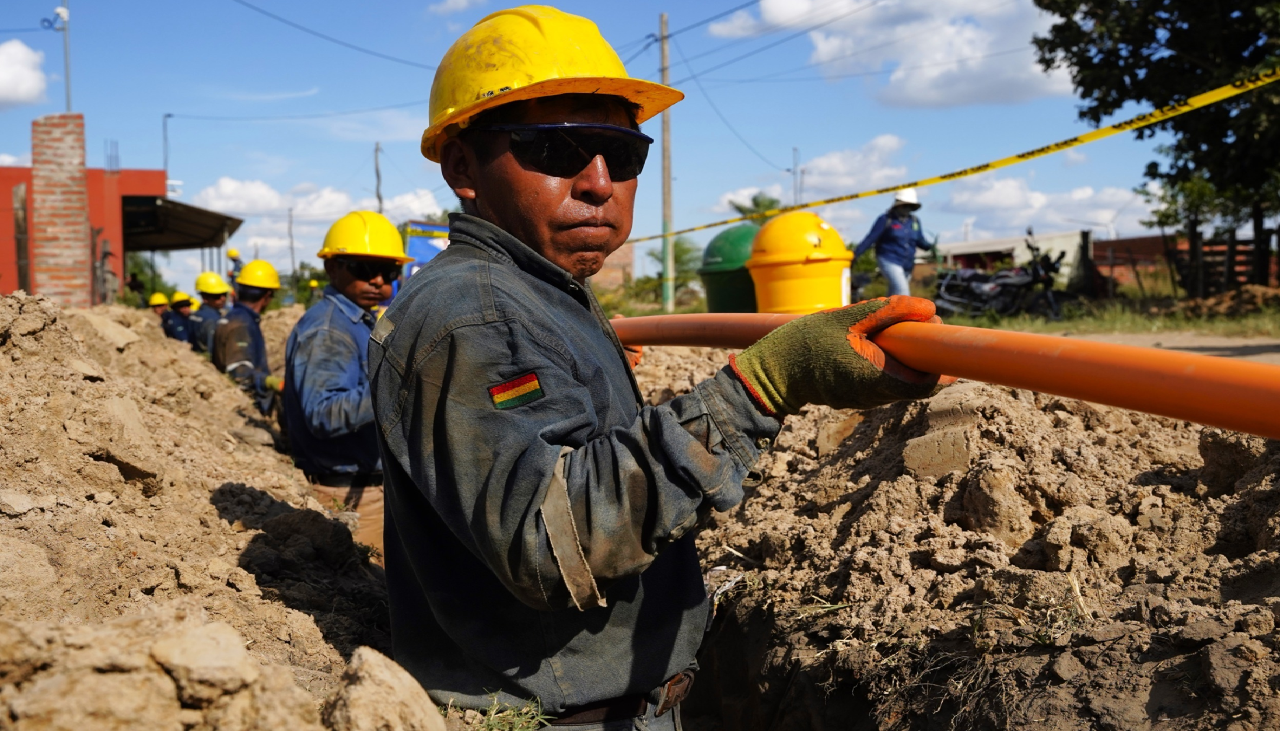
(204, 321)
(541, 518)
(159, 304)
(327, 408)
(177, 321)
(238, 347)
(233, 255)
(312, 286)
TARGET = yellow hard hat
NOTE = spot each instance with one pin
(157, 298)
(211, 283)
(233, 253)
(259, 273)
(364, 233)
(313, 283)
(530, 52)
(796, 237)
(178, 298)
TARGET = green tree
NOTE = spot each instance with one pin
(688, 257)
(139, 263)
(760, 203)
(1158, 52)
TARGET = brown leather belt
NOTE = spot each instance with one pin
(628, 706)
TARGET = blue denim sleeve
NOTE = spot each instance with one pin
(536, 488)
(877, 230)
(332, 387)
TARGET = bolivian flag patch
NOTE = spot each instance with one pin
(518, 392)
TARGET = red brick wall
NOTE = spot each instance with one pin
(61, 262)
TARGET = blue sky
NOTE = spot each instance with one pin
(871, 92)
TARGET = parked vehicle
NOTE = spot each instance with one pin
(1025, 289)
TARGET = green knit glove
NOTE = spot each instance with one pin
(827, 358)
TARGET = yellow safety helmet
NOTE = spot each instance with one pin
(530, 52)
(178, 298)
(211, 283)
(364, 233)
(259, 273)
(233, 253)
(313, 284)
(157, 298)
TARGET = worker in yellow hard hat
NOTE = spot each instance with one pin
(158, 303)
(239, 349)
(328, 409)
(233, 255)
(204, 321)
(312, 287)
(541, 519)
(176, 322)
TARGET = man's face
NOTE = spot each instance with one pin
(216, 303)
(159, 309)
(365, 280)
(185, 310)
(574, 222)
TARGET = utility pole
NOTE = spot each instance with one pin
(293, 264)
(377, 173)
(668, 250)
(795, 176)
(164, 125)
(64, 13)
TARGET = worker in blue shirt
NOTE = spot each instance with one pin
(327, 407)
(213, 305)
(239, 349)
(896, 235)
(176, 322)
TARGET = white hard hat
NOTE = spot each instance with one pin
(906, 197)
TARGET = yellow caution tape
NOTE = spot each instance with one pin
(1142, 120)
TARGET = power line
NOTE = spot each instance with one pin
(723, 118)
(747, 39)
(779, 42)
(651, 39)
(331, 39)
(289, 117)
(880, 72)
(21, 30)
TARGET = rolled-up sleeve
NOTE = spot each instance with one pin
(332, 387)
(556, 509)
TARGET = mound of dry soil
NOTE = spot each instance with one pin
(992, 558)
(1249, 299)
(150, 534)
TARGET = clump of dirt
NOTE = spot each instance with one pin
(276, 326)
(993, 558)
(133, 478)
(1249, 299)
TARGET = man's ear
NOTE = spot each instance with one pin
(457, 165)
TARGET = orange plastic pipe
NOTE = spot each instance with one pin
(1232, 394)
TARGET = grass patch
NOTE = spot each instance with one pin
(1130, 317)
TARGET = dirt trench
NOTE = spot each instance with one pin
(990, 559)
(164, 566)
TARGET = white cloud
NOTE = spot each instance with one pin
(453, 6)
(23, 160)
(1006, 206)
(272, 96)
(1071, 158)
(417, 204)
(844, 171)
(22, 81)
(743, 196)
(936, 53)
(391, 125)
(239, 196)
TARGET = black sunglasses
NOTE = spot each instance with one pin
(367, 271)
(562, 150)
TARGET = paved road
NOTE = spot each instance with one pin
(1263, 350)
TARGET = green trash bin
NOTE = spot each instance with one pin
(724, 272)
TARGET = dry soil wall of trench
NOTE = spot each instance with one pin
(162, 567)
(991, 558)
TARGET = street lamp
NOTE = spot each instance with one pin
(62, 24)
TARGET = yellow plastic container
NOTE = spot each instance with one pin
(800, 265)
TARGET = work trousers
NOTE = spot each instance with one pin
(367, 502)
(898, 277)
(669, 721)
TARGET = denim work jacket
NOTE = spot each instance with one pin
(326, 394)
(240, 352)
(175, 326)
(203, 323)
(896, 240)
(540, 519)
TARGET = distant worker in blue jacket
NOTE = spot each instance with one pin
(239, 349)
(176, 322)
(328, 409)
(896, 235)
(204, 321)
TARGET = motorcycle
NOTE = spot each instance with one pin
(1026, 289)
